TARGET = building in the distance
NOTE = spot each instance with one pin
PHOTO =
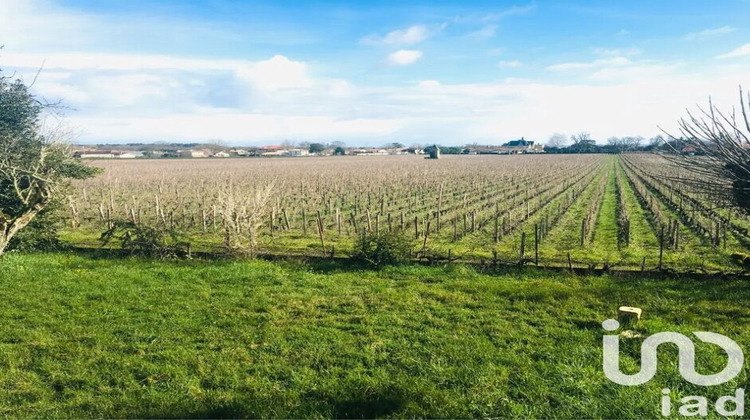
(240, 152)
(107, 154)
(193, 153)
(521, 146)
(94, 154)
(368, 152)
(297, 152)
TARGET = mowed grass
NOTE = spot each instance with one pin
(85, 337)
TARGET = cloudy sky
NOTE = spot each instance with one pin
(371, 72)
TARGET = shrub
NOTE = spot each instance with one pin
(41, 234)
(244, 214)
(146, 241)
(382, 249)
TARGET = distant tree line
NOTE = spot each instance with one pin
(583, 143)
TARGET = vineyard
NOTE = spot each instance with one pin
(599, 211)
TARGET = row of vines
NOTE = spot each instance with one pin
(587, 210)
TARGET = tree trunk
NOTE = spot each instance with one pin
(3, 243)
(10, 227)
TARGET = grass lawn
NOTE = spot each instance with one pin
(86, 337)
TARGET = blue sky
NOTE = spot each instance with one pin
(370, 72)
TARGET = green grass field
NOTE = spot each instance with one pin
(86, 337)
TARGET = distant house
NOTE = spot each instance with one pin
(521, 146)
(130, 155)
(192, 153)
(94, 154)
(519, 143)
(241, 152)
(221, 155)
(296, 152)
(369, 152)
(106, 154)
(689, 150)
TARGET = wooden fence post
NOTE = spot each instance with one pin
(536, 244)
(497, 229)
(583, 232)
(338, 220)
(320, 233)
(661, 247)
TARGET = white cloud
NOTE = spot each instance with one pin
(511, 11)
(486, 32)
(122, 62)
(277, 73)
(608, 62)
(428, 83)
(633, 72)
(27, 24)
(49, 26)
(708, 33)
(618, 69)
(147, 97)
(160, 103)
(409, 36)
(512, 64)
(234, 127)
(617, 52)
(403, 57)
(742, 51)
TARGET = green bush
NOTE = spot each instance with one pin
(41, 234)
(378, 250)
(146, 241)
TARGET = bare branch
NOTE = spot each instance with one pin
(715, 147)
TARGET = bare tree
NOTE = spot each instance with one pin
(216, 145)
(632, 142)
(719, 152)
(244, 214)
(580, 137)
(656, 141)
(557, 140)
(303, 144)
(623, 144)
(617, 142)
